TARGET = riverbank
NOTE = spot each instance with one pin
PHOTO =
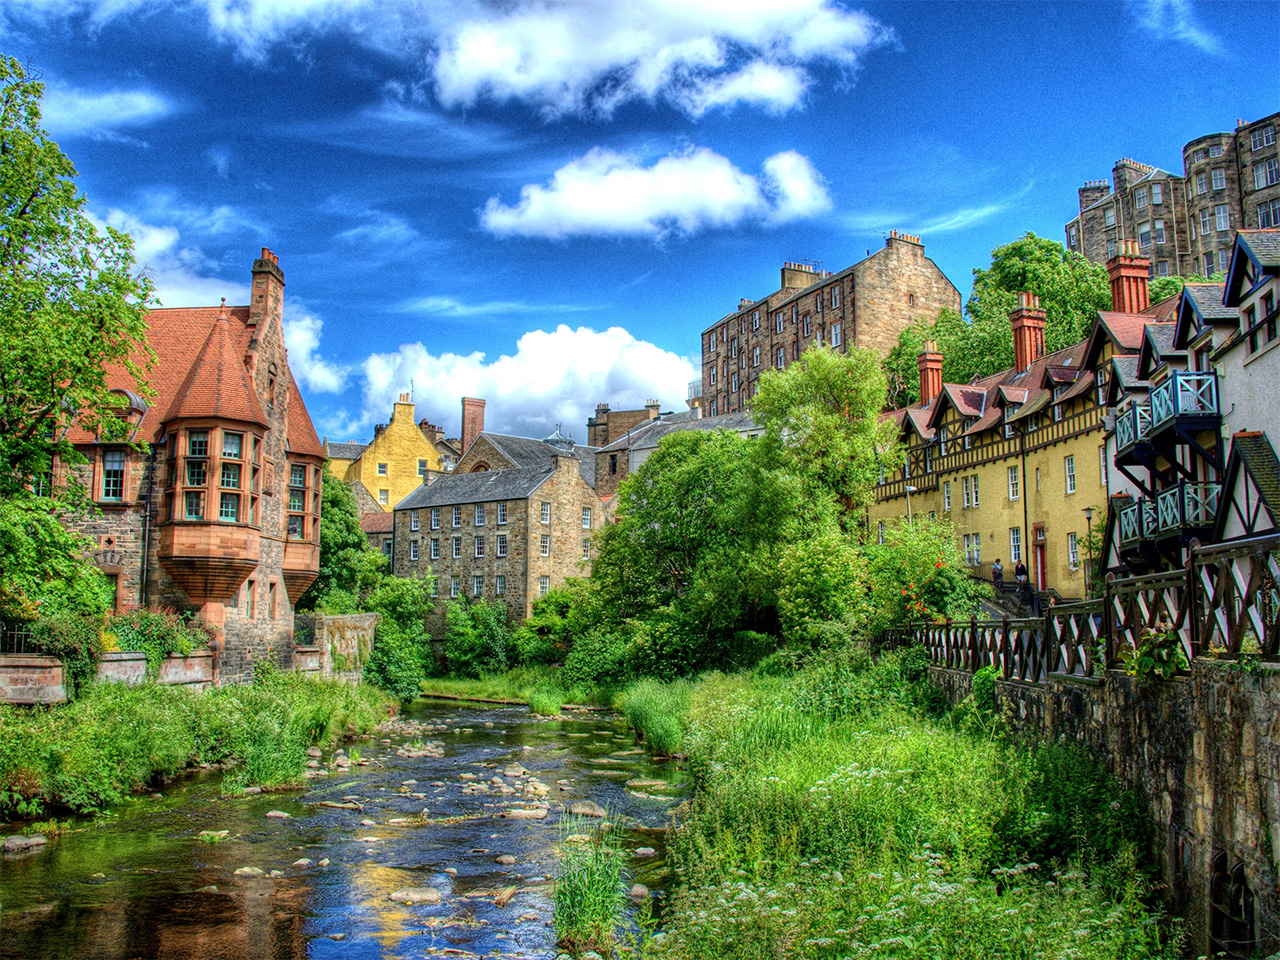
(117, 739)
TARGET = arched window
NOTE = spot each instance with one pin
(480, 468)
(1230, 910)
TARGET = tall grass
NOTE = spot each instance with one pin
(116, 738)
(657, 711)
(521, 685)
(589, 895)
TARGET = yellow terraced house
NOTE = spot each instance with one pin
(1014, 459)
(393, 464)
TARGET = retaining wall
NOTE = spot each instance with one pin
(345, 643)
(30, 680)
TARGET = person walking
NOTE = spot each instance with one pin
(997, 574)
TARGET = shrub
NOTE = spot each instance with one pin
(399, 659)
(984, 689)
(589, 896)
(76, 641)
(157, 633)
(657, 711)
(599, 658)
(478, 637)
(918, 573)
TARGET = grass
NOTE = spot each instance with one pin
(116, 739)
(539, 687)
(657, 711)
(589, 896)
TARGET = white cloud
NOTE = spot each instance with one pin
(302, 340)
(451, 307)
(1175, 20)
(68, 112)
(962, 218)
(605, 193)
(560, 56)
(554, 376)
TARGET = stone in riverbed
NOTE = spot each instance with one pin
(276, 874)
(324, 862)
(249, 872)
(368, 823)
(304, 862)
(209, 889)
(278, 815)
(313, 752)
(416, 895)
(586, 808)
(515, 770)
(639, 892)
(506, 860)
(252, 791)
(645, 851)
(535, 814)
(336, 936)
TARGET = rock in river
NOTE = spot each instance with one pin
(586, 808)
(416, 895)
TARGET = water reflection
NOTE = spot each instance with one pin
(140, 883)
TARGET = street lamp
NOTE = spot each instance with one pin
(910, 490)
(1088, 519)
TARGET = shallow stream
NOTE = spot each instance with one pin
(139, 881)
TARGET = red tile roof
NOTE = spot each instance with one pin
(379, 522)
(217, 383)
(300, 432)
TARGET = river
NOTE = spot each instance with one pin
(141, 881)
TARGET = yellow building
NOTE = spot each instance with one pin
(393, 465)
(1017, 461)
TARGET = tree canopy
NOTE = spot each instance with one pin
(349, 568)
(1071, 290)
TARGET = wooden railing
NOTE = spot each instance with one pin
(1225, 600)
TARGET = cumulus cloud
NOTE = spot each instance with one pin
(69, 112)
(302, 339)
(562, 56)
(605, 193)
(554, 376)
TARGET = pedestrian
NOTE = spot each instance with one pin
(1020, 572)
(997, 573)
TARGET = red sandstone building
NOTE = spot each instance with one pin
(216, 507)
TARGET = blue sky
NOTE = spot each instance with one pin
(544, 203)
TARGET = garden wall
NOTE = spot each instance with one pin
(31, 680)
(344, 643)
(1204, 750)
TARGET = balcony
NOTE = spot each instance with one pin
(1188, 400)
(1184, 509)
(1133, 428)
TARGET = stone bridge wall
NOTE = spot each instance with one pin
(345, 643)
(1204, 751)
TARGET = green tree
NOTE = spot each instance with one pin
(821, 418)
(918, 573)
(1162, 288)
(349, 568)
(72, 304)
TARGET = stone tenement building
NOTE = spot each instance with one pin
(866, 305)
(608, 425)
(222, 515)
(1015, 458)
(1184, 224)
(393, 464)
(510, 533)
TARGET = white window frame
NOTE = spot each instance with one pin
(413, 520)
(1157, 194)
(479, 515)
(457, 548)
(964, 487)
(1109, 216)
(544, 586)
(477, 585)
(975, 491)
(545, 515)
(1102, 465)
(837, 335)
(1073, 551)
(500, 585)
(586, 518)
(413, 549)
(880, 533)
(479, 548)
(946, 496)
(1069, 466)
(1218, 178)
(435, 548)
(502, 514)
(435, 518)
(544, 545)
(1015, 544)
(500, 548)
(457, 516)
(1013, 483)
(453, 588)
(1222, 217)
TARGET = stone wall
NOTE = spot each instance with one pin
(344, 644)
(1203, 750)
(31, 680)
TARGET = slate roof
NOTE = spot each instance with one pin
(1263, 244)
(1251, 450)
(514, 483)
(1157, 348)
(531, 452)
(736, 422)
(346, 451)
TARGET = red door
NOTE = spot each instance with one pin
(1040, 578)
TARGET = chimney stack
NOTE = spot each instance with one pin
(651, 407)
(266, 297)
(1027, 320)
(472, 421)
(1129, 272)
(930, 361)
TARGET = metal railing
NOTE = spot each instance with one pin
(1132, 427)
(1186, 392)
(15, 638)
(1225, 600)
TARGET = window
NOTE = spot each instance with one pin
(1262, 138)
(435, 518)
(835, 298)
(586, 518)
(1224, 256)
(1057, 412)
(413, 519)
(544, 545)
(113, 475)
(457, 547)
(734, 382)
(1037, 479)
(782, 359)
(1072, 234)
(711, 340)
(1270, 171)
(977, 549)
(229, 508)
(271, 600)
(250, 604)
(544, 586)
(435, 587)
(479, 515)
(422, 468)
(975, 489)
(1219, 178)
(198, 443)
(837, 337)
(477, 586)
(968, 549)
(946, 496)
(1222, 217)
(382, 469)
(1157, 231)
(1215, 150)
(1069, 464)
(1157, 193)
(500, 585)
(1140, 198)
(1109, 216)
(880, 533)
(1144, 234)
(1162, 268)
(1013, 483)
(196, 475)
(755, 319)
(967, 498)
(1269, 215)
(502, 545)
(502, 514)
(457, 516)
(435, 548)
(1197, 156)
(546, 513)
(384, 497)
(231, 476)
(479, 547)
(413, 549)
(806, 326)
(755, 356)
(232, 444)
(1015, 544)
(733, 347)
(1205, 222)
(1202, 183)
(777, 322)
(1102, 465)
(193, 505)
(1073, 552)
(586, 549)
(453, 587)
